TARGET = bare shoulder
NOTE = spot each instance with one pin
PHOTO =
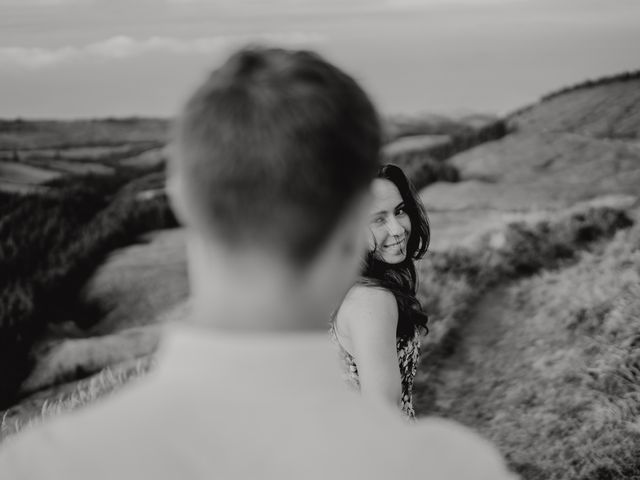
(371, 304)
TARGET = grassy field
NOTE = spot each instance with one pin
(68, 397)
(35, 152)
(14, 172)
(51, 243)
(560, 391)
(140, 282)
(603, 109)
(541, 355)
(422, 144)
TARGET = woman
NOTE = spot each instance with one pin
(379, 323)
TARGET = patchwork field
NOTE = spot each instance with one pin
(13, 172)
(35, 152)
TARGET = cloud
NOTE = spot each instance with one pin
(421, 3)
(38, 3)
(336, 4)
(122, 46)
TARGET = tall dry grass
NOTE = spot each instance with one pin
(84, 392)
(553, 377)
(452, 281)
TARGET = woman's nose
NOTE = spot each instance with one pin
(393, 227)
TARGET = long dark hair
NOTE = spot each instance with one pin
(401, 279)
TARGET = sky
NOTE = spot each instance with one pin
(96, 58)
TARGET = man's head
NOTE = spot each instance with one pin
(273, 155)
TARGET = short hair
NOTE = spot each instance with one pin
(273, 148)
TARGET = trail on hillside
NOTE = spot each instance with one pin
(480, 358)
(491, 382)
(548, 368)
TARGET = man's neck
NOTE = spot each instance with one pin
(232, 314)
(247, 292)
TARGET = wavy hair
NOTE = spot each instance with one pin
(401, 279)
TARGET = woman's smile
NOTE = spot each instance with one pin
(397, 244)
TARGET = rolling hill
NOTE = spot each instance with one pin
(32, 153)
(604, 108)
(542, 359)
(558, 153)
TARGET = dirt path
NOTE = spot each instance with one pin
(492, 380)
(482, 344)
(524, 376)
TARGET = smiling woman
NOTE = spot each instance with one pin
(390, 226)
(379, 324)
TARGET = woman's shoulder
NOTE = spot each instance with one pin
(366, 312)
(370, 293)
(370, 301)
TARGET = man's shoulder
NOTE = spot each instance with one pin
(448, 442)
(353, 440)
(381, 442)
(97, 441)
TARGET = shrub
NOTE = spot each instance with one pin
(452, 281)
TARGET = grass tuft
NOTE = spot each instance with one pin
(47, 405)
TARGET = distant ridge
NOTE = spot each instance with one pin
(21, 134)
(605, 108)
(589, 83)
(618, 77)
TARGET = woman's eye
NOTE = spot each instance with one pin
(401, 211)
(378, 220)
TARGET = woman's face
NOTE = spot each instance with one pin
(389, 223)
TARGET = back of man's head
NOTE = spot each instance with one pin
(271, 150)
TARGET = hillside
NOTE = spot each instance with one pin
(62, 211)
(605, 108)
(140, 282)
(532, 284)
(542, 358)
(421, 144)
(34, 152)
(560, 392)
(570, 147)
(528, 172)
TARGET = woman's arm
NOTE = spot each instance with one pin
(369, 317)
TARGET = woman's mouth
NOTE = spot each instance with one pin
(398, 243)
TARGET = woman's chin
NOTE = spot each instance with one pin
(394, 258)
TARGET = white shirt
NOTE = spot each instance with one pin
(245, 406)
